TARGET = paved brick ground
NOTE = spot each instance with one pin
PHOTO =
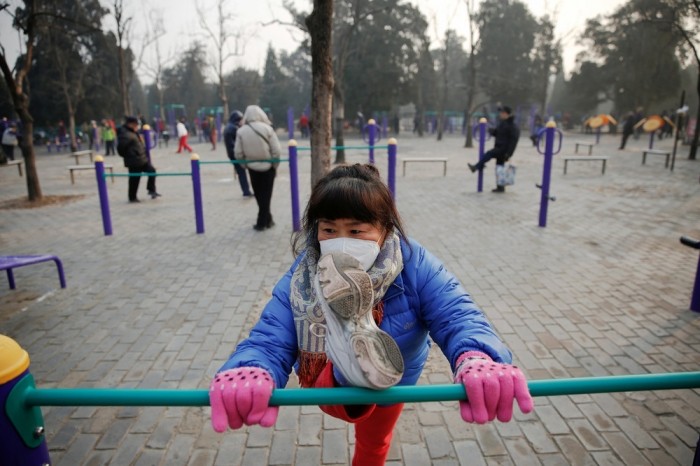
(603, 289)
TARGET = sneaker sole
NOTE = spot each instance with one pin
(377, 354)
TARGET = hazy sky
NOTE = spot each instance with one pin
(182, 25)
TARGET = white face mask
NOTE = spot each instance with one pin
(365, 251)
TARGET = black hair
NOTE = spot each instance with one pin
(348, 191)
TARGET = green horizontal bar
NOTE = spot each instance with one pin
(347, 147)
(147, 174)
(242, 162)
(330, 396)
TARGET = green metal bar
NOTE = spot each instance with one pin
(242, 162)
(346, 147)
(146, 174)
(330, 396)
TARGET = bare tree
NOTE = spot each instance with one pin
(320, 26)
(345, 34)
(471, 70)
(123, 27)
(445, 84)
(686, 20)
(156, 67)
(17, 86)
(70, 49)
(219, 35)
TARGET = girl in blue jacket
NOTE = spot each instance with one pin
(356, 309)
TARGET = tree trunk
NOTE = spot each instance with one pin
(224, 97)
(71, 128)
(696, 132)
(320, 26)
(339, 108)
(21, 104)
(126, 106)
(469, 143)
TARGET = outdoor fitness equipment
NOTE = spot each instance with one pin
(371, 136)
(695, 299)
(392, 152)
(104, 198)
(548, 131)
(22, 425)
(597, 122)
(652, 124)
(480, 133)
(197, 187)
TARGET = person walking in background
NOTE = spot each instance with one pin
(360, 307)
(304, 125)
(627, 129)
(182, 136)
(234, 122)
(94, 135)
(212, 132)
(108, 136)
(256, 140)
(638, 116)
(537, 125)
(131, 148)
(506, 136)
(10, 141)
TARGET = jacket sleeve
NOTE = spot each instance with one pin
(272, 343)
(238, 147)
(455, 323)
(275, 149)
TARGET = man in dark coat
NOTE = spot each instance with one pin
(506, 136)
(131, 148)
(234, 122)
(627, 129)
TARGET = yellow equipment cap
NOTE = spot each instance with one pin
(13, 359)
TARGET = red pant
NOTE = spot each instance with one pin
(183, 144)
(374, 425)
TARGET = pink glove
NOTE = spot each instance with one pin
(241, 396)
(490, 388)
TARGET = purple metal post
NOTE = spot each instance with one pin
(547, 170)
(372, 131)
(102, 191)
(597, 135)
(294, 184)
(482, 151)
(290, 122)
(651, 139)
(197, 189)
(391, 172)
(13, 447)
(695, 300)
(146, 130)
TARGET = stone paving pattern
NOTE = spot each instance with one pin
(604, 289)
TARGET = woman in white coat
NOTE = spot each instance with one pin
(256, 140)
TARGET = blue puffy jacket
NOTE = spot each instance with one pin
(425, 299)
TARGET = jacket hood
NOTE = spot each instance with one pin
(235, 117)
(255, 113)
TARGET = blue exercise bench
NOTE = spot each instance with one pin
(10, 262)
